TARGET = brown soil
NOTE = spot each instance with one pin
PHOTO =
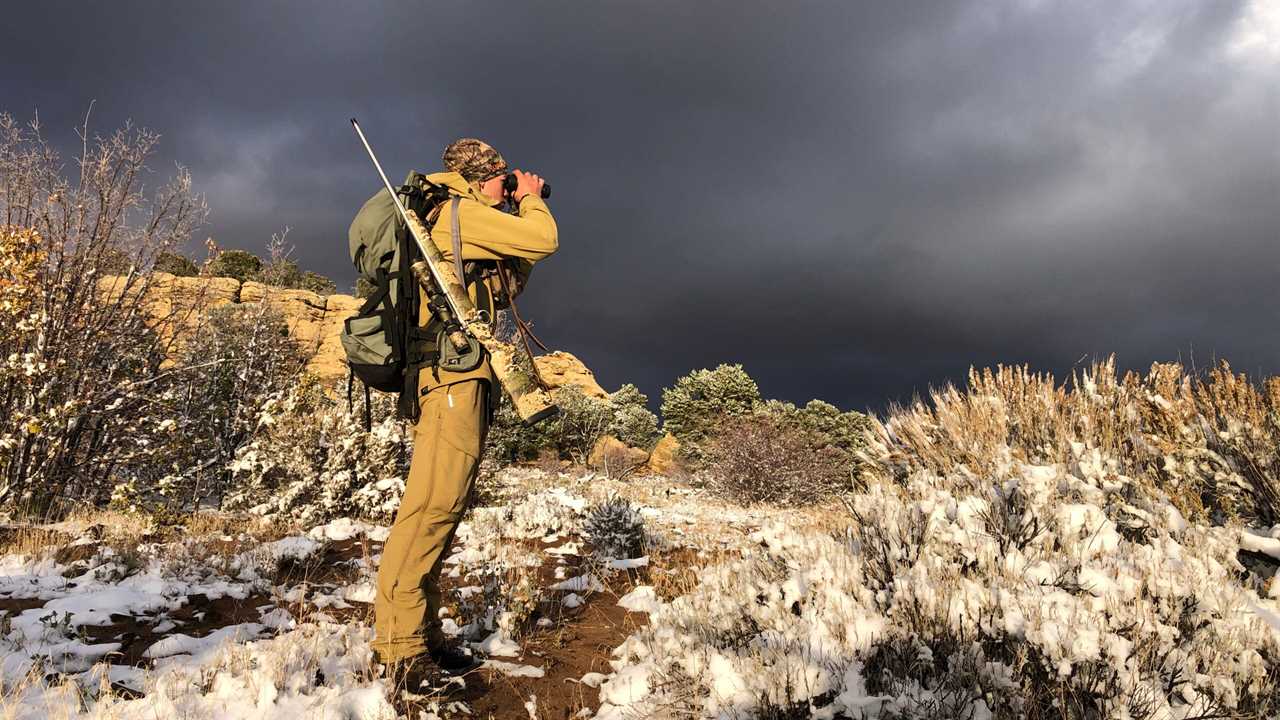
(579, 642)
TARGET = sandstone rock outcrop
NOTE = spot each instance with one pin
(562, 369)
(615, 457)
(663, 457)
(314, 320)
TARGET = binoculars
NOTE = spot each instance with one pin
(509, 184)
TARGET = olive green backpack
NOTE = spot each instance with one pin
(384, 344)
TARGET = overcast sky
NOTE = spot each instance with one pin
(854, 200)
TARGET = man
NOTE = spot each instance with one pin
(450, 432)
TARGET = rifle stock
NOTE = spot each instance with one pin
(532, 402)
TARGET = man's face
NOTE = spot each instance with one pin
(492, 188)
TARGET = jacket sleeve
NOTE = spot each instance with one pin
(489, 234)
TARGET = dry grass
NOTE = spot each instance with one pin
(1210, 442)
(32, 542)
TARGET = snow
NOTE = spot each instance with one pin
(346, 528)
(1258, 543)
(642, 599)
(364, 592)
(293, 548)
(498, 644)
(514, 669)
(581, 583)
(798, 613)
(788, 607)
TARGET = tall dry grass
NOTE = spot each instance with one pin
(1209, 441)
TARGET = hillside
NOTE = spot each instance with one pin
(968, 574)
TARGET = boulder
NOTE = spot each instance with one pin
(615, 457)
(561, 369)
(664, 457)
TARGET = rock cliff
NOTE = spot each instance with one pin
(314, 320)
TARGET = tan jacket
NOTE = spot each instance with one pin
(487, 234)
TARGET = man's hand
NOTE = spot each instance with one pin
(526, 183)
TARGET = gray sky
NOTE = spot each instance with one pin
(854, 200)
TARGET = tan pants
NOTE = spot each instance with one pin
(448, 440)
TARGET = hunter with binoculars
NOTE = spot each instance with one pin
(477, 225)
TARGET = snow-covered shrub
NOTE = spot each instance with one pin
(762, 458)
(242, 357)
(1211, 443)
(701, 400)
(501, 599)
(311, 457)
(82, 365)
(614, 528)
(937, 603)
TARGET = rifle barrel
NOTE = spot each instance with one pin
(404, 215)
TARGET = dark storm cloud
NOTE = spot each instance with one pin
(855, 200)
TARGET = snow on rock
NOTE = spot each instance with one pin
(642, 599)
(628, 564)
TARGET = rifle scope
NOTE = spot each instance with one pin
(509, 184)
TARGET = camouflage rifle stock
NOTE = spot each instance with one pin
(437, 277)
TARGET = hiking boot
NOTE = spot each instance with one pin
(453, 660)
(414, 674)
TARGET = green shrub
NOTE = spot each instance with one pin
(633, 423)
(238, 264)
(702, 400)
(582, 421)
(175, 264)
(285, 273)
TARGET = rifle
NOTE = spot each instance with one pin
(447, 295)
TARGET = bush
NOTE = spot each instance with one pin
(239, 264)
(1212, 443)
(240, 358)
(923, 608)
(702, 400)
(572, 434)
(312, 458)
(614, 529)
(175, 264)
(285, 273)
(83, 366)
(763, 458)
(632, 422)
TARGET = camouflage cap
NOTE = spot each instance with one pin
(475, 160)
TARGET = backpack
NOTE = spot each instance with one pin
(384, 344)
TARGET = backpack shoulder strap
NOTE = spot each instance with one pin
(455, 230)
